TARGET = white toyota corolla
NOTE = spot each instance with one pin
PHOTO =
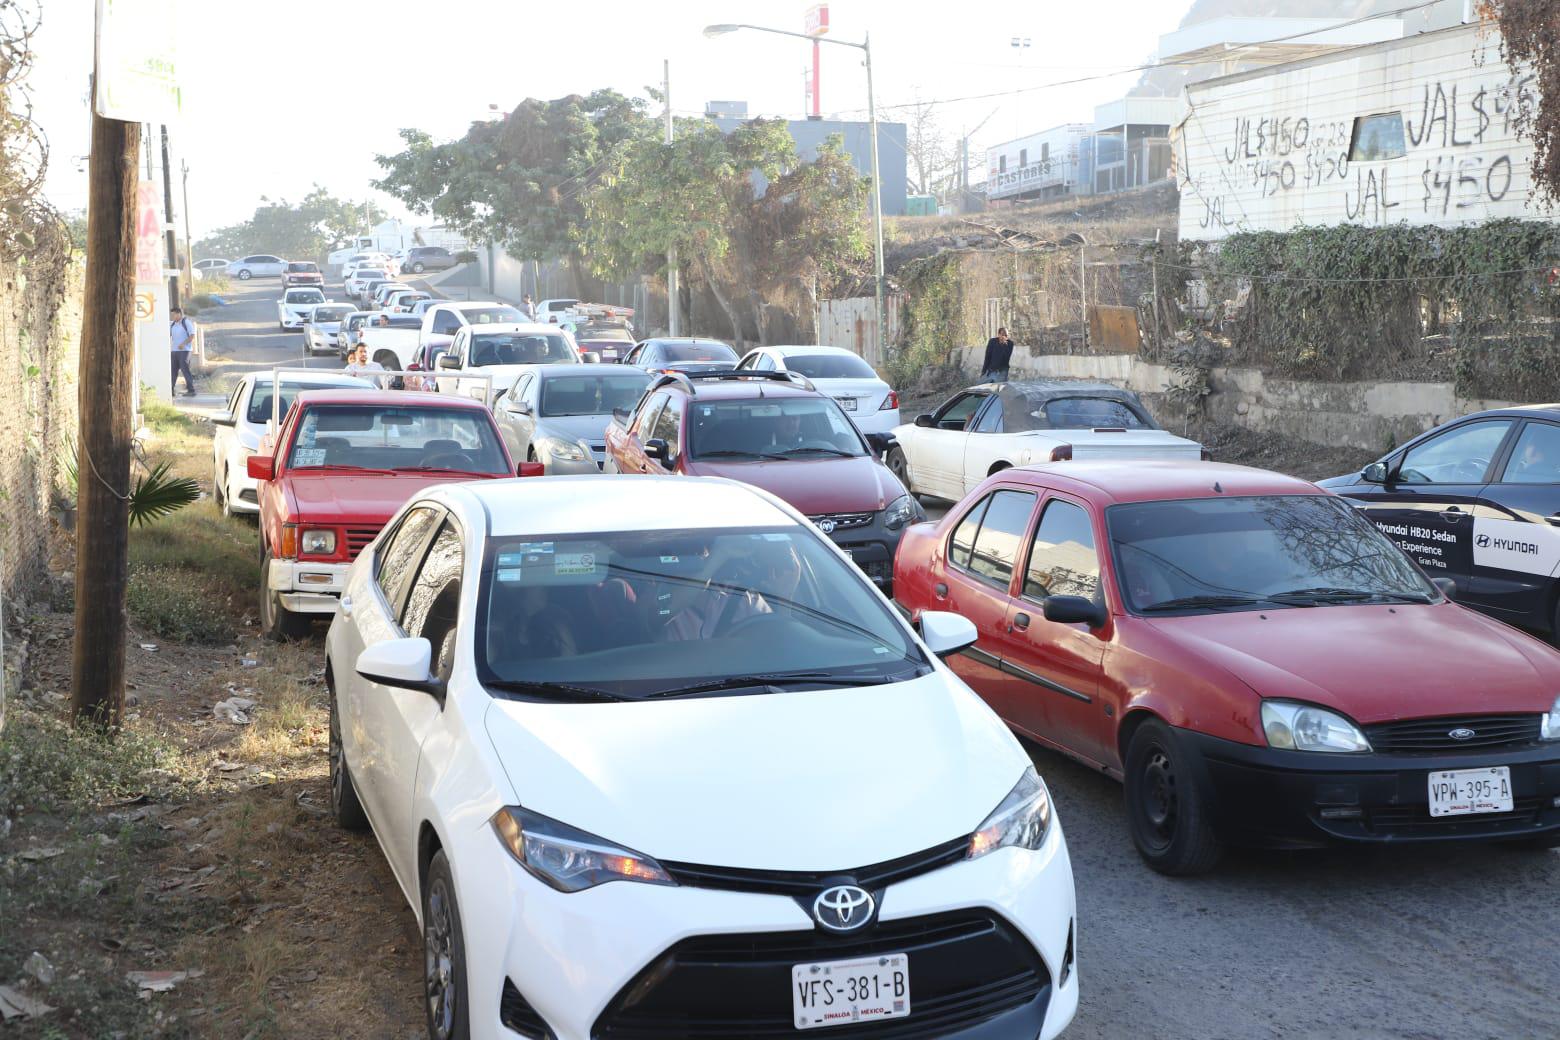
(651, 759)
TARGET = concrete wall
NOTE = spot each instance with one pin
(1369, 416)
(1271, 150)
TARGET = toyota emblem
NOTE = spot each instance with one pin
(826, 525)
(1462, 733)
(843, 908)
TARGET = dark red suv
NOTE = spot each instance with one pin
(775, 431)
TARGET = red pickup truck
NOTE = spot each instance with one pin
(339, 467)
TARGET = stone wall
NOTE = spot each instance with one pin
(1365, 415)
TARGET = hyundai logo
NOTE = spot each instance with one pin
(843, 908)
(826, 525)
(1482, 541)
(1462, 733)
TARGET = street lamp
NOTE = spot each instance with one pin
(865, 46)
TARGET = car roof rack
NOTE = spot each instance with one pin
(690, 378)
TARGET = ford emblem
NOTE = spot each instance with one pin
(843, 908)
(1462, 733)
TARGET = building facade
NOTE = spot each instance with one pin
(1039, 166)
(1419, 130)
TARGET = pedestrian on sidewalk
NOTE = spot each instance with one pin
(999, 354)
(528, 308)
(181, 335)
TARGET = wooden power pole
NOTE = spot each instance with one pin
(97, 687)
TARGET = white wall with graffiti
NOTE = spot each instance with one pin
(1418, 130)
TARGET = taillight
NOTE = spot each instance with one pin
(288, 550)
(1061, 453)
(890, 402)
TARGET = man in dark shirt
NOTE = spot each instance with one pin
(999, 352)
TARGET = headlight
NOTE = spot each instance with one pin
(318, 543)
(900, 512)
(1549, 725)
(568, 859)
(564, 451)
(1305, 727)
(1021, 821)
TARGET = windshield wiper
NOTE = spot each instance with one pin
(552, 690)
(731, 453)
(824, 451)
(442, 469)
(772, 682)
(1196, 602)
(1333, 594)
(346, 467)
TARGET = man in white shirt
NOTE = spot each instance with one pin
(181, 340)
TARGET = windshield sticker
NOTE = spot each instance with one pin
(669, 559)
(574, 564)
(305, 435)
(309, 457)
(509, 574)
(527, 549)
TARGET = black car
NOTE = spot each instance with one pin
(1477, 500)
(691, 356)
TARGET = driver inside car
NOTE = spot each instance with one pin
(748, 587)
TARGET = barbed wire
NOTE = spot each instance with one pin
(32, 226)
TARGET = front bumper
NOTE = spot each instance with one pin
(1289, 799)
(871, 545)
(309, 588)
(649, 962)
(294, 321)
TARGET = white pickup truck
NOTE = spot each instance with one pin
(502, 353)
(394, 343)
(443, 320)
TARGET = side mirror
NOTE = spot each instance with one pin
(1447, 586)
(946, 633)
(261, 467)
(531, 469)
(658, 449)
(620, 416)
(924, 421)
(402, 663)
(1074, 610)
(225, 420)
(449, 361)
(523, 407)
(1375, 473)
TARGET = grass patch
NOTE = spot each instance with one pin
(47, 765)
(177, 604)
(224, 552)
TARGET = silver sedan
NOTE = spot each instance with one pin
(558, 414)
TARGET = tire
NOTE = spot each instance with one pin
(244, 275)
(418, 268)
(1167, 813)
(899, 466)
(277, 623)
(344, 803)
(224, 500)
(444, 955)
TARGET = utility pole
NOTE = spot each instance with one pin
(173, 239)
(673, 292)
(97, 687)
(877, 204)
(189, 243)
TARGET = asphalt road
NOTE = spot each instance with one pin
(1426, 943)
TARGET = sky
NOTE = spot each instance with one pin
(282, 94)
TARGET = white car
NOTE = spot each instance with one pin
(296, 305)
(379, 261)
(260, 265)
(870, 402)
(382, 294)
(355, 282)
(238, 432)
(994, 426)
(651, 758)
(400, 301)
(321, 332)
(553, 312)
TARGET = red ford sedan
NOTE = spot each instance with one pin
(1251, 657)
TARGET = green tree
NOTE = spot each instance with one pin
(517, 181)
(306, 230)
(749, 240)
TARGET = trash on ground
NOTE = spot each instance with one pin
(38, 967)
(149, 982)
(234, 709)
(16, 1004)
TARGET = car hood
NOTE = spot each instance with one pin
(336, 497)
(814, 485)
(1377, 663)
(1347, 480)
(816, 781)
(591, 428)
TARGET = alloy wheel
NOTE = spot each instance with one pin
(439, 961)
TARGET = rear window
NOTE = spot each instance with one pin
(698, 352)
(330, 313)
(605, 334)
(260, 400)
(830, 366)
(493, 316)
(1087, 413)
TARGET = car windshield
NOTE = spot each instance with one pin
(305, 296)
(516, 348)
(390, 437)
(260, 401)
(307, 268)
(1071, 413)
(1210, 554)
(493, 316)
(591, 394)
(830, 366)
(324, 314)
(617, 615)
(771, 428)
(698, 352)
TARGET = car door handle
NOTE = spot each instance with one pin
(1020, 622)
(346, 606)
(1555, 519)
(941, 590)
(1452, 514)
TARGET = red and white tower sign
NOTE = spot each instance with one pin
(817, 25)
